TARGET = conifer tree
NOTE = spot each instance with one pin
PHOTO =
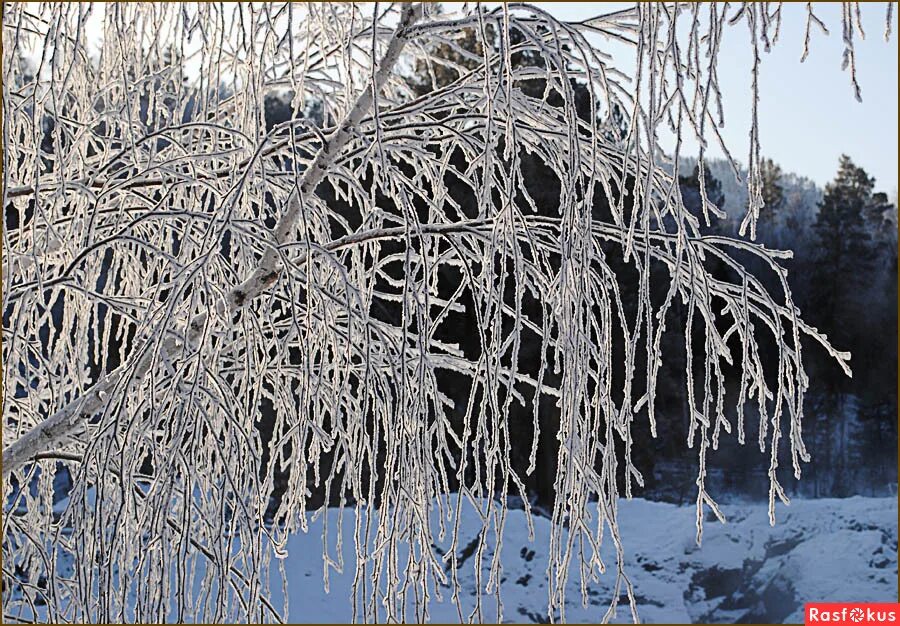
(772, 190)
(843, 270)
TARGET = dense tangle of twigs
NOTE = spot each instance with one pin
(157, 214)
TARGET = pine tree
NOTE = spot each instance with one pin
(691, 189)
(845, 244)
(772, 190)
(842, 270)
(881, 220)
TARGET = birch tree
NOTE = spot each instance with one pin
(169, 265)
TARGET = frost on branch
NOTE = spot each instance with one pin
(208, 322)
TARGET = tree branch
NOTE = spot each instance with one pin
(53, 430)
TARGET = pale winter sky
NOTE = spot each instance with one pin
(808, 114)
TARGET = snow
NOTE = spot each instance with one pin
(745, 570)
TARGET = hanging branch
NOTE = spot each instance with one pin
(215, 324)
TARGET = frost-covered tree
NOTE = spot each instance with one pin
(173, 270)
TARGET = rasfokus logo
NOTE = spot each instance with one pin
(862, 614)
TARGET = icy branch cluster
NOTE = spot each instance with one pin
(170, 266)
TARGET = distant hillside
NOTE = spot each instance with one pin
(801, 195)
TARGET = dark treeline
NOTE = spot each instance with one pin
(843, 277)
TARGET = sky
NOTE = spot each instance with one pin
(807, 111)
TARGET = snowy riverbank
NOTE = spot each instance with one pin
(745, 571)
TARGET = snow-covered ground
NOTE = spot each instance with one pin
(745, 571)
